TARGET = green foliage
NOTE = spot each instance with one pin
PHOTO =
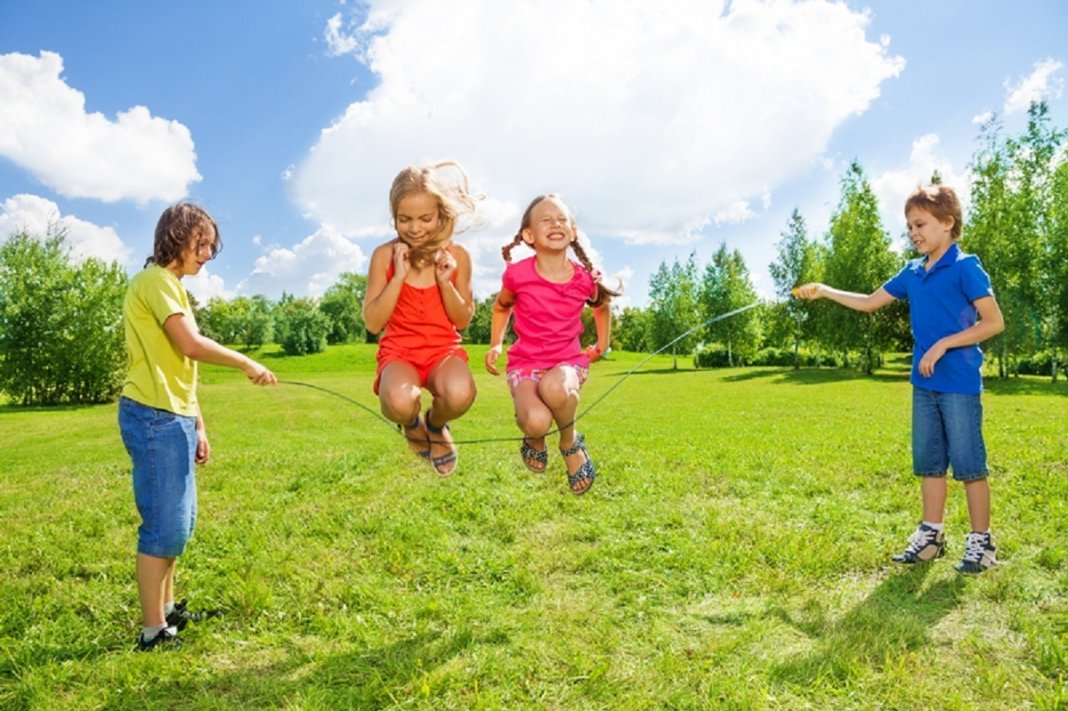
(799, 261)
(630, 329)
(343, 304)
(478, 330)
(726, 286)
(61, 336)
(734, 553)
(300, 327)
(859, 260)
(673, 306)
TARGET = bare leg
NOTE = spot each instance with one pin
(399, 397)
(978, 495)
(934, 498)
(453, 389)
(155, 578)
(559, 390)
(534, 419)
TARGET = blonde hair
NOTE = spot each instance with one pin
(453, 197)
(603, 293)
(941, 202)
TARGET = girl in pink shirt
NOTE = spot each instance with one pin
(547, 365)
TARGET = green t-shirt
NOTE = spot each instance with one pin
(159, 375)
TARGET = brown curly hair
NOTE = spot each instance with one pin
(604, 294)
(180, 227)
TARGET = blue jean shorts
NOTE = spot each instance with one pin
(162, 446)
(947, 430)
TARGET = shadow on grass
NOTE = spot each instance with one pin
(374, 677)
(895, 618)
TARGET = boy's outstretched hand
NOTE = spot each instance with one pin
(810, 291)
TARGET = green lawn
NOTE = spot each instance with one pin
(733, 553)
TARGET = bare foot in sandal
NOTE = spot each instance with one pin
(443, 454)
(418, 438)
(580, 469)
(534, 458)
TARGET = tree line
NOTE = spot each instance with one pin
(61, 336)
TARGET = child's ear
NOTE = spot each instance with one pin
(527, 236)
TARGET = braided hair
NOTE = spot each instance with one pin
(603, 293)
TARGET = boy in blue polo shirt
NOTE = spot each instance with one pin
(951, 310)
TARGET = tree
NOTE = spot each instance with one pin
(858, 259)
(673, 308)
(797, 263)
(630, 329)
(478, 330)
(726, 286)
(343, 304)
(61, 334)
(300, 327)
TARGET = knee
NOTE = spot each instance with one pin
(555, 391)
(533, 421)
(458, 396)
(402, 403)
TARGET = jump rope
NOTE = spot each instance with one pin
(399, 430)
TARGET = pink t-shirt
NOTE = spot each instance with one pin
(548, 316)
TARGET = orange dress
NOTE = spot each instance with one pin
(419, 332)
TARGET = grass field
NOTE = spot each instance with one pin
(733, 553)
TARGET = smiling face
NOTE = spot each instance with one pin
(931, 236)
(199, 251)
(418, 219)
(551, 227)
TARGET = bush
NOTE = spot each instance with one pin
(61, 334)
(300, 327)
(1040, 363)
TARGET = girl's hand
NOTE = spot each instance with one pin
(593, 352)
(930, 358)
(811, 291)
(492, 355)
(444, 266)
(203, 448)
(401, 265)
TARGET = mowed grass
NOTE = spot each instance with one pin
(733, 553)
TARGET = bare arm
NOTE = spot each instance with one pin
(382, 295)
(850, 299)
(990, 324)
(184, 335)
(502, 312)
(455, 293)
(602, 320)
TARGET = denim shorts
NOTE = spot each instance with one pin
(162, 446)
(947, 430)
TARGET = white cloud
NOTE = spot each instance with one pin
(738, 211)
(337, 42)
(45, 129)
(206, 286)
(981, 118)
(309, 268)
(1038, 85)
(652, 118)
(893, 187)
(36, 216)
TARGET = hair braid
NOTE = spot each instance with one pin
(506, 250)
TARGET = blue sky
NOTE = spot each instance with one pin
(670, 127)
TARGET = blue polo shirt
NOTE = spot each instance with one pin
(941, 303)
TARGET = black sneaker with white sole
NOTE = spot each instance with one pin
(979, 554)
(182, 615)
(924, 545)
(166, 639)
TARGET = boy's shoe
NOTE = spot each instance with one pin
(924, 545)
(164, 640)
(978, 554)
(182, 616)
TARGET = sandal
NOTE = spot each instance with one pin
(413, 433)
(441, 464)
(586, 472)
(534, 459)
